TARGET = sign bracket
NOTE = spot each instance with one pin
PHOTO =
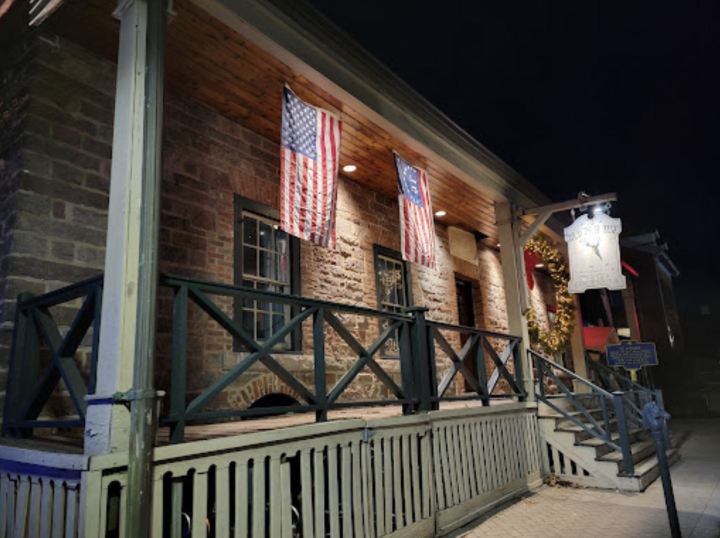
(543, 213)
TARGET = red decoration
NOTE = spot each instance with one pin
(531, 260)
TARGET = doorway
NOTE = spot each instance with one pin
(466, 317)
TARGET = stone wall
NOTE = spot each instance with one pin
(58, 100)
(53, 223)
(13, 102)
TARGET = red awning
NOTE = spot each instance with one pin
(598, 338)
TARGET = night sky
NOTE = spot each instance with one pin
(586, 95)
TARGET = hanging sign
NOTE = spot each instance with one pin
(632, 355)
(594, 254)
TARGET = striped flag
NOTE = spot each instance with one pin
(417, 230)
(309, 153)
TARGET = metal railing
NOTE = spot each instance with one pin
(482, 358)
(614, 424)
(635, 394)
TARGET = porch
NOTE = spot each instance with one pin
(387, 423)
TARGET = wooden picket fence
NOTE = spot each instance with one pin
(419, 475)
(40, 493)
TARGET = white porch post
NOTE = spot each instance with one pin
(513, 267)
(107, 424)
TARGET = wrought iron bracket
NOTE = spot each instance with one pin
(124, 397)
(129, 396)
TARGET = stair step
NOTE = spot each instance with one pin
(640, 451)
(651, 464)
(571, 427)
(601, 447)
(595, 412)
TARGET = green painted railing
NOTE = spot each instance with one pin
(413, 383)
(42, 357)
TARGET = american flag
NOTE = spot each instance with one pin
(310, 148)
(417, 232)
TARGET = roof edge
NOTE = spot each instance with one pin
(297, 33)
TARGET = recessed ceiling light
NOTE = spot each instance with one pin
(349, 168)
(440, 213)
(539, 265)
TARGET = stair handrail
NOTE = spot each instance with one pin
(629, 383)
(612, 404)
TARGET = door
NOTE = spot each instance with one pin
(466, 317)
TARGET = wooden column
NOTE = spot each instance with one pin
(130, 259)
(513, 267)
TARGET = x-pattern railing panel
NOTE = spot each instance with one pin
(30, 386)
(323, 315)
(478, 345)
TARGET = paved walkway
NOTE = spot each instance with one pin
(557, 512)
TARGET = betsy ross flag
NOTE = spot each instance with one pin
(417, 231)
(309, 152)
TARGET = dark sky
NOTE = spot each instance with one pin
(577, 95)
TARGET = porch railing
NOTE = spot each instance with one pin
(477, 345)
(48, 334)
(483, 359)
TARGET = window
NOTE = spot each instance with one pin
(392, 279)
(266, 258)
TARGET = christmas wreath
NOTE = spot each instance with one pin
(557, 337)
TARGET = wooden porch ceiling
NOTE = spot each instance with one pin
(211, 63)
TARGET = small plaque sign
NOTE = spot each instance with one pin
(632, 356)
(594, 254)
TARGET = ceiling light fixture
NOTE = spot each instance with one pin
(349, 168)
(440, 213)
(539, 265)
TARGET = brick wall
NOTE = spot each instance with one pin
(59, 218)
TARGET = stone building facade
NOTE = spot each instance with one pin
(55, 150)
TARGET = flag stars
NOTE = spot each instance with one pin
(299, 127)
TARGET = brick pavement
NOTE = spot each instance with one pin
(559, 511)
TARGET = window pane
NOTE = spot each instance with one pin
(249, 261)
(278, 322)
(249, 226)
(248, 322)
(263, 328)
(283, 249)
(268, 265)
(266, 235)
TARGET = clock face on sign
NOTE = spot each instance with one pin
(594, 253)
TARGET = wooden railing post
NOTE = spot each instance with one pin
(518, 367)
(24, 368)
(481, 371)
(178, 379)
(424, 361)
(319, 359)
(408, 370)
(628, 466)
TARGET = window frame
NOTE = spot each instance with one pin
(379, 250)
(240, 205)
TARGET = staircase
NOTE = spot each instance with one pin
(595, 438)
